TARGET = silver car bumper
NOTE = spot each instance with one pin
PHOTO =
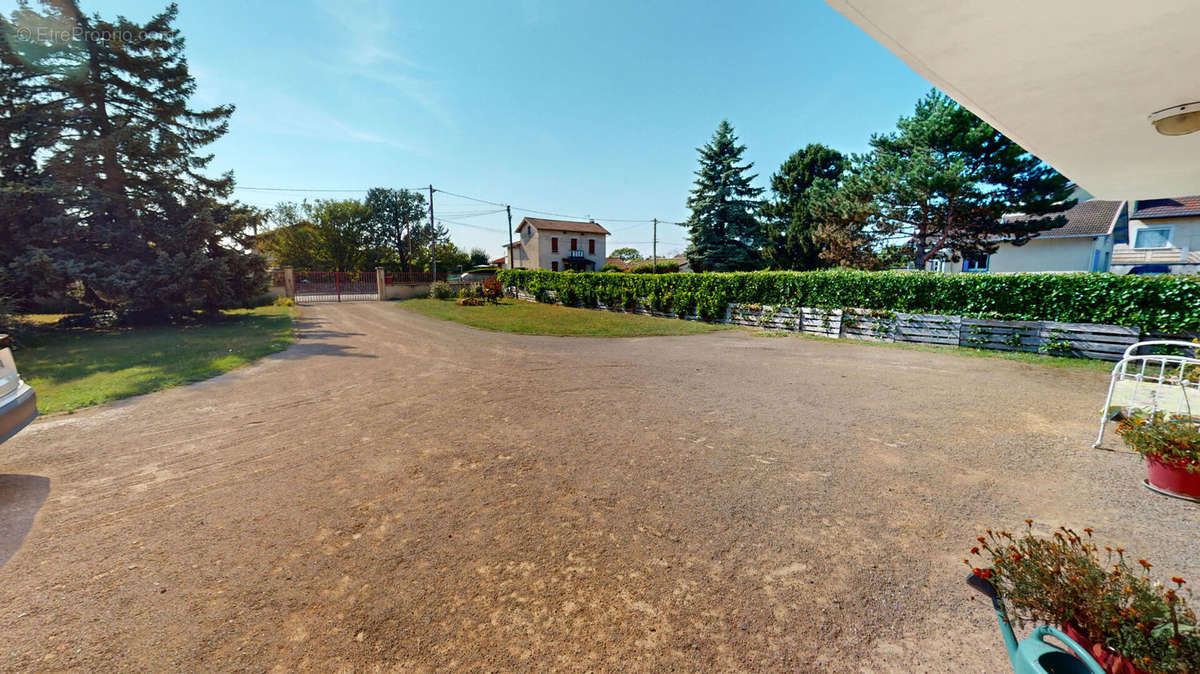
(17, 412)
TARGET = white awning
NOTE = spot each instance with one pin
(1072, 81)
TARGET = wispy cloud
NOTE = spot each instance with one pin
(367, 51)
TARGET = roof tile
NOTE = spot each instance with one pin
(1179, 207)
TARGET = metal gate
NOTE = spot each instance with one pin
(336, 286)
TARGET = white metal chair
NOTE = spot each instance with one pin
(1154, 382)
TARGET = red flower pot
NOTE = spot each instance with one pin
(1173, 477)
(1113, 663)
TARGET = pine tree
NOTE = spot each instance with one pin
(139, 223)
(940, 185)
(788, 219)
(724, 229)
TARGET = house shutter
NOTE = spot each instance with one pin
(591, 246)
(554, 244)
(574, 244)
(554, 265)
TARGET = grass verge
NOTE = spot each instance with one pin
(80, 368)
(532, 318)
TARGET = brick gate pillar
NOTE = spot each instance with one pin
(289, 282)
(381, 283)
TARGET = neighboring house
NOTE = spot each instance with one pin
(1084, 243)
(558, 245)
(1164, 237)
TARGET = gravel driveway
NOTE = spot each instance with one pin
(398, 492)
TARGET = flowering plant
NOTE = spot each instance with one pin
(1060, 580)
(1173, 440)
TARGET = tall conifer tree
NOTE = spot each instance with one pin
(724, 229)
(138, 221)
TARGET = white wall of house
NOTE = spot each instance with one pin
(1083, 253)
(547, 256)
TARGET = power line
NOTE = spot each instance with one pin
(467, 224)
(500, 206)
(305, 189)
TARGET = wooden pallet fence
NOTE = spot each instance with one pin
(824, 322)
(927, 328)
(1082, 340)
(1086, 340)
(868, 324)
(978, 333)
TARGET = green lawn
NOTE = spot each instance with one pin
(79, 368)
(532, 318)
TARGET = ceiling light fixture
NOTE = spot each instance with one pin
(1177, 120)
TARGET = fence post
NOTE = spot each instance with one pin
(381, 283)
(289, 282)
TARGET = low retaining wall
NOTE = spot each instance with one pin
(405, 291)
(1081, 340)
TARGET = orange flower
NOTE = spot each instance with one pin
(1029, 522)
(1145, 564)
(975, 550)
(1087, 530)
(1017, 556)
(981, 539)
(1177, 580)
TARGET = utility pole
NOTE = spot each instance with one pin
(654, 248)
(511, 265)
(432, 239)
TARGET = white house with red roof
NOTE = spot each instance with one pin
(557, 245)
(1084, 243)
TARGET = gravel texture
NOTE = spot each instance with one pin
(396, 492)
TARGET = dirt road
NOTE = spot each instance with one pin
(397, 492)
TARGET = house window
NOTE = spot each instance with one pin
(591, 246)
(1153, 237)
(975, 262)
(554, 264)
(574, 244)
(554, 244)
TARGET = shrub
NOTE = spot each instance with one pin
(1164, 303)
(664, 267)
(284, 302)
(611, 268)
(468, 291)
(440, 290)
(1061, 580)
(471, 301)
(491, 289)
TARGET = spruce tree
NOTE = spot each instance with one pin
(138, 222)
(724, 229)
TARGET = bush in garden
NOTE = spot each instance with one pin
(1165, 303)
(664, 267)
(440, 290)
(491, 289)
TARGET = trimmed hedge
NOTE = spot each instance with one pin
(1169, 304)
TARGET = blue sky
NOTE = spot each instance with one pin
(581, 108)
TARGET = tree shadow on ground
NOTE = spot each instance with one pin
(312, 340)
(21, 496)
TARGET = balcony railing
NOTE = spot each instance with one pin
(1125, 254)
(575, 253)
